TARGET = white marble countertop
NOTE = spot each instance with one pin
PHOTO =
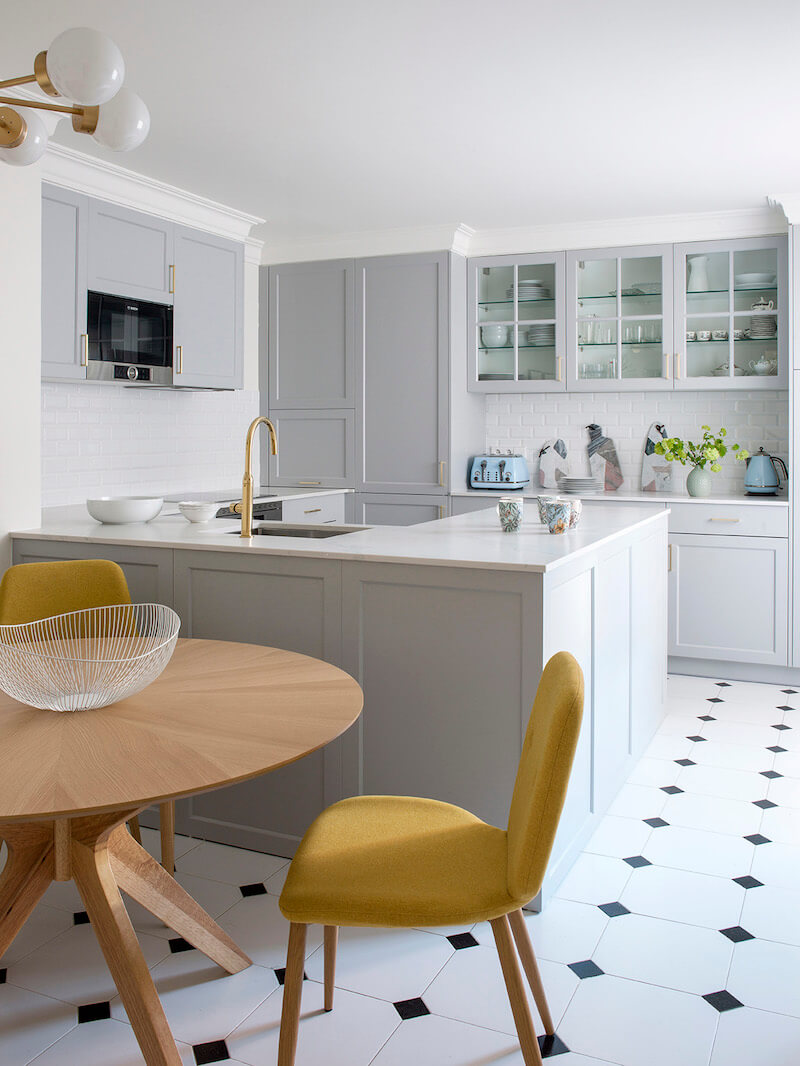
(472, 540)
(637, 496)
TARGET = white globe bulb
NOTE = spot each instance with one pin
(32, 148)
(85, 66)
(124, 122)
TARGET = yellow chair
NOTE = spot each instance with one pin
(31, 591)
(402, 862)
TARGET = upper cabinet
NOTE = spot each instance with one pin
(208, 323)
(130, 253)
(311, 335)
(65, 219)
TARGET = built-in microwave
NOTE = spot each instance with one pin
(129, 340)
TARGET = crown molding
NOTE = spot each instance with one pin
(452, 237)
(788, 203)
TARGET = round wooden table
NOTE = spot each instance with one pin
(220, 713)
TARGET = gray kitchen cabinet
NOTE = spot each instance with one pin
(130, 253)
(65, 220)
(387, 509)
(208, 323)
(315, 447)
(402, 369)
(311, 335)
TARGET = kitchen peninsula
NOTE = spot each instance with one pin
(446, 625)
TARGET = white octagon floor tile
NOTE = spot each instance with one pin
(678, 896)
(735, 817)
(654, 772)
(234, 866)
(200, 1000)
(471, 989)
(723, 782)
(638, 801)
(782, 824)
(619, 837)
(666, 747)
(785, 791)
(44, 925)
(766, 975)
(788, 738)
(391, 964)
(697, 851)
(755, 692)
(259, 928)
(636, 1024)
(733, 756)
(748, 1037)
(684, 957)
(274, 885)
(777, 864)
(151, 841)
(763, 714)
(564, 931)
(102, 1043)
(72, 967)
(788, 763)
(30, 1023)
(772, 913)
(742, 733)
(350, 1035)
(684, 686)
(595, 879)
(435, 1041)
(681, 724)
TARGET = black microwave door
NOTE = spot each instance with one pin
(131, 332)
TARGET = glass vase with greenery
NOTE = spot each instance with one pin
(708, 452)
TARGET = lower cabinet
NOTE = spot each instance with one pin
(388, 509)
(315, 510)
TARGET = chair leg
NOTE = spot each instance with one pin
(136, 832)
(292, 993)
(331, 939)
(516, 993)
(166, 814)
(531, 967)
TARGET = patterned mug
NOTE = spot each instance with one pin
(559, 513)
(576, 508)
(509, 510)
(541, 503)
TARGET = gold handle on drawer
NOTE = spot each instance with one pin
(724, 519)
(558, 368)
(441, 471)
(313, 510)
(179, 353)
(171, 278)
(669, 558)
(677, 365)
(309, 482)
(84, 349)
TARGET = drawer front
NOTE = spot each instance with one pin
(738, 520)
(315, 510)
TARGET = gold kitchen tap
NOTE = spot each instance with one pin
(245, 506)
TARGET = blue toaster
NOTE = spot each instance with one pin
(498, 472)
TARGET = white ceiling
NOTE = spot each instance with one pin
(330, 117)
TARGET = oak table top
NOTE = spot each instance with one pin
(219, 713)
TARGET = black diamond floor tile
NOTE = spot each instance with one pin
(771, 774)
(706, 718)
(722, 1001)
(655, 823)
(736, 934)
(94, 1012)
(789, 691)
(463, 940)
(748, 882)
(613, 910)
(178, 944)
(673, 790)
(212, 1051)
(714, 699)
(550, 1046)
(757, 838)
(80, 918)
(411, 1008)
(636, 861)
(764, 804)
(697, 740)
(3, 976)
(785, 707)
(257, 889)
(781, 726)
(280, 973)
(776, 748)
(685, 762)
(585, 969)
(722, 684)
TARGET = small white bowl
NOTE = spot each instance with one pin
(119, 510)
(198, 510)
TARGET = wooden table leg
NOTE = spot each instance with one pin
(166, 815)
(137, 873)
(27, 873)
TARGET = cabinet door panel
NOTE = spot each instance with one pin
(728, 598)
(130, 253)
(383, 509)
(401, 308)
(209, 310)
(314, 448)
(64, 233)
(311, 335)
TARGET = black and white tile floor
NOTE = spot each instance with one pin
(674, 940)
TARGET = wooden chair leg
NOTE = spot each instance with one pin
(516, 992)
(531, 967)
(292, 994)
(331, 940)
(166, 813)
(136, 832)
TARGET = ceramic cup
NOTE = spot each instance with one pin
(704, 334)
(558, 516)
(719, 334)
(509, 510)
(738, 334)
(576, 509)
(541, 503)
(691, 335)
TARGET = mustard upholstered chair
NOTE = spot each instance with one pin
(397, 861)
(31, 591)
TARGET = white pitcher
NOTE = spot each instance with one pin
(698, 274)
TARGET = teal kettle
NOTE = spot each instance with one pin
(762, 477)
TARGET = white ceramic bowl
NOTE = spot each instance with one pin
(198, 510)
(118, 510)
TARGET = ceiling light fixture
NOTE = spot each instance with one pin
(85, 66)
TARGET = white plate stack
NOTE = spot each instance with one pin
(529, 289)
(580, 486)
(763, 326)
(542, 336)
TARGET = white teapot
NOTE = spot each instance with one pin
(762, 304)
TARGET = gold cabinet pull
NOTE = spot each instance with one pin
(724, 519)
(84, 349)
(558, 368)
(666, 365)
(677, 365)
(171, 278)
(441, 471)
(309, 482)
(313, 510)
(179, 353)
(669, 558)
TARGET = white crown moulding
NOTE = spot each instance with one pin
(452, 236)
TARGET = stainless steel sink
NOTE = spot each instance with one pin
(308, 532)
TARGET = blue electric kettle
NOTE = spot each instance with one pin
(762, 478)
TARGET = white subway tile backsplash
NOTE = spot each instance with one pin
(108, 439)
(752, 420)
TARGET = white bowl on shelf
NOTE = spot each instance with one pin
(751, 281)
(198, 510)
(120, 510)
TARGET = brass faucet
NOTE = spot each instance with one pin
(245, 506)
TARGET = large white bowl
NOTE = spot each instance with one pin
(198, 510)
(118, 510)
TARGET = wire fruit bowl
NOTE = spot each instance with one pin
(87, 659)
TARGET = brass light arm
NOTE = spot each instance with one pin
(25, 80)
(84, 119)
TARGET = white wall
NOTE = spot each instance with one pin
(20, 350)
(523, 423)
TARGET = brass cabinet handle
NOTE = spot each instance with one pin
(313, 510)
(724, 519)
(171, 278)
(558, 368)
(309, 482)
(677, 365)
(669, 558)
(179, 353)
(84, 349)
(441, 471)
(666, 365)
